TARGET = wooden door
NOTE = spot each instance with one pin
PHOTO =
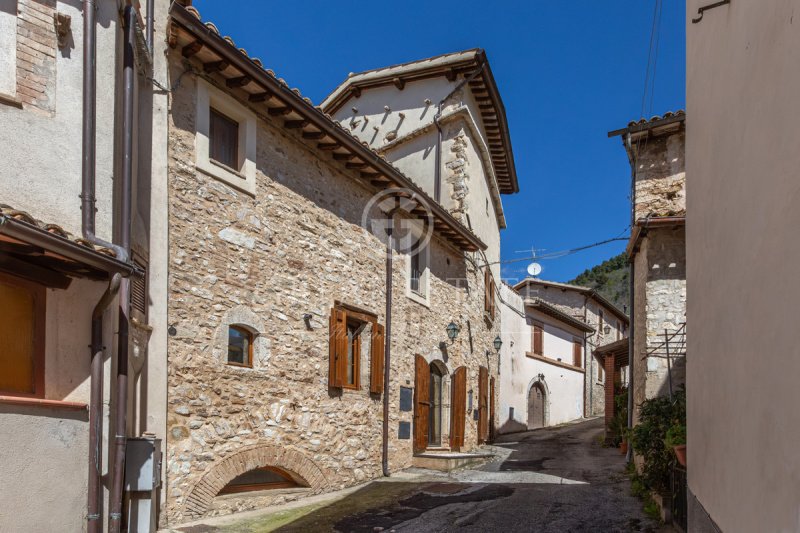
(491, 409)
(458, 408)
(535, 407)
(422, 405)
(483, 405)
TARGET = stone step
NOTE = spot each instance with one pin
(446, 461)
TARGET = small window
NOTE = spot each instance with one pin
(223, 139)
(600, 322)
(353, 355)
(416, 272)
(600, 371)
(240, 346)
(22, 323)
(489, 294)
(264, 478)
(619, 330)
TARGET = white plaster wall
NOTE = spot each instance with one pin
(518, 372)
(43, 453)
(8, 46)
(742, 254)
(40, 155)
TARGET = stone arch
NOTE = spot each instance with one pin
(222, 471)
(536, 382)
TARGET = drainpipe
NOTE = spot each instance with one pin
(387, 350)
(94, 524)
(88, 155)
(632, 329)
(437, 175)
(124, 221)
(150, 28)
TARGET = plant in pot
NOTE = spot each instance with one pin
(676, 440)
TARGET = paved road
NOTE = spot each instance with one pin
(553, 480)
(550, 480)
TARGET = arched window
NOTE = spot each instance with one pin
(240, 346)
(264, 478)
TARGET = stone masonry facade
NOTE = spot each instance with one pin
(659, 298)
(294, 248)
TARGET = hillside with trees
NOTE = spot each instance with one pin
(610, 279)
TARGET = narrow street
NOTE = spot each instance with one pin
(550, 480)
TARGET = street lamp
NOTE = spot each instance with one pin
(498, 342)
(607, 330)
(452, 331)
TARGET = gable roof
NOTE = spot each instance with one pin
(586, 291)
(554, 312)
(246, 78)
(483, 87)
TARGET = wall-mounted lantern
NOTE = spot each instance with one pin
(498, 342)
(607, 330)
(452, 331)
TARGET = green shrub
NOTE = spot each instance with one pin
(658, 416)
(676, 435)
(619, 424)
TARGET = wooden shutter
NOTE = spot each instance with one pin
(538, 338)
(486, 292)
(577, 353)
(458, 408)
(337, 364)
(376, 359)
(483, 407)
(422, 384)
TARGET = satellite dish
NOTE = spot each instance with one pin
(534, 269)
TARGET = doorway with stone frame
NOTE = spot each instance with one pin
(431, 405)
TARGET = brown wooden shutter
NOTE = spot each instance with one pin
(538, 338)
(376, 359)
(483, 407)
(458, 410)
(337, 364)
(493, 290)
(486, 292)
(491, 409)
(422, 384)
(577, 353)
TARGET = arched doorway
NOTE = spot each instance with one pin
(536, 406)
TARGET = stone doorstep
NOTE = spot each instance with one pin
(446, 461)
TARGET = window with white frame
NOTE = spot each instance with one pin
(418, 287)
(8, 48)
(225, 141)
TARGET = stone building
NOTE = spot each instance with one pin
(657, 254)
(550, 333)
(278, 271)
(75, 182)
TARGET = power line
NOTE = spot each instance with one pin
(559, 254)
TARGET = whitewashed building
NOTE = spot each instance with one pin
(548, 373)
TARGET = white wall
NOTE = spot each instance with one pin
(42, 173)
(564, 387)
(742, 259)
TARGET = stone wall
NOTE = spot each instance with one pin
(660, 176)
(293, 249)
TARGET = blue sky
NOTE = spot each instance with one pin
(569, 71)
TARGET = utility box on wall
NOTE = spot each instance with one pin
(142, 480)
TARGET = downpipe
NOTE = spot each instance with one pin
(387, 350)
(120, 431)
(94, 516)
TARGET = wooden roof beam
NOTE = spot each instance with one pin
(313, 135)
(400, 83)
(277, 111)
(294, 124)
(191, 49)
(261, 97)
(328, 146)
(215, 66)
(239, 82)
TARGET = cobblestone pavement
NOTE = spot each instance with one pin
(550, 480)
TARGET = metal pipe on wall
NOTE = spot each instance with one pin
(94, 515)
(124, 229)
(629, 454)
(388, 344)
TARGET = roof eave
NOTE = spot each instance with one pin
(466, 240)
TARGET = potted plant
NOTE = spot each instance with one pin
(676, 439)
